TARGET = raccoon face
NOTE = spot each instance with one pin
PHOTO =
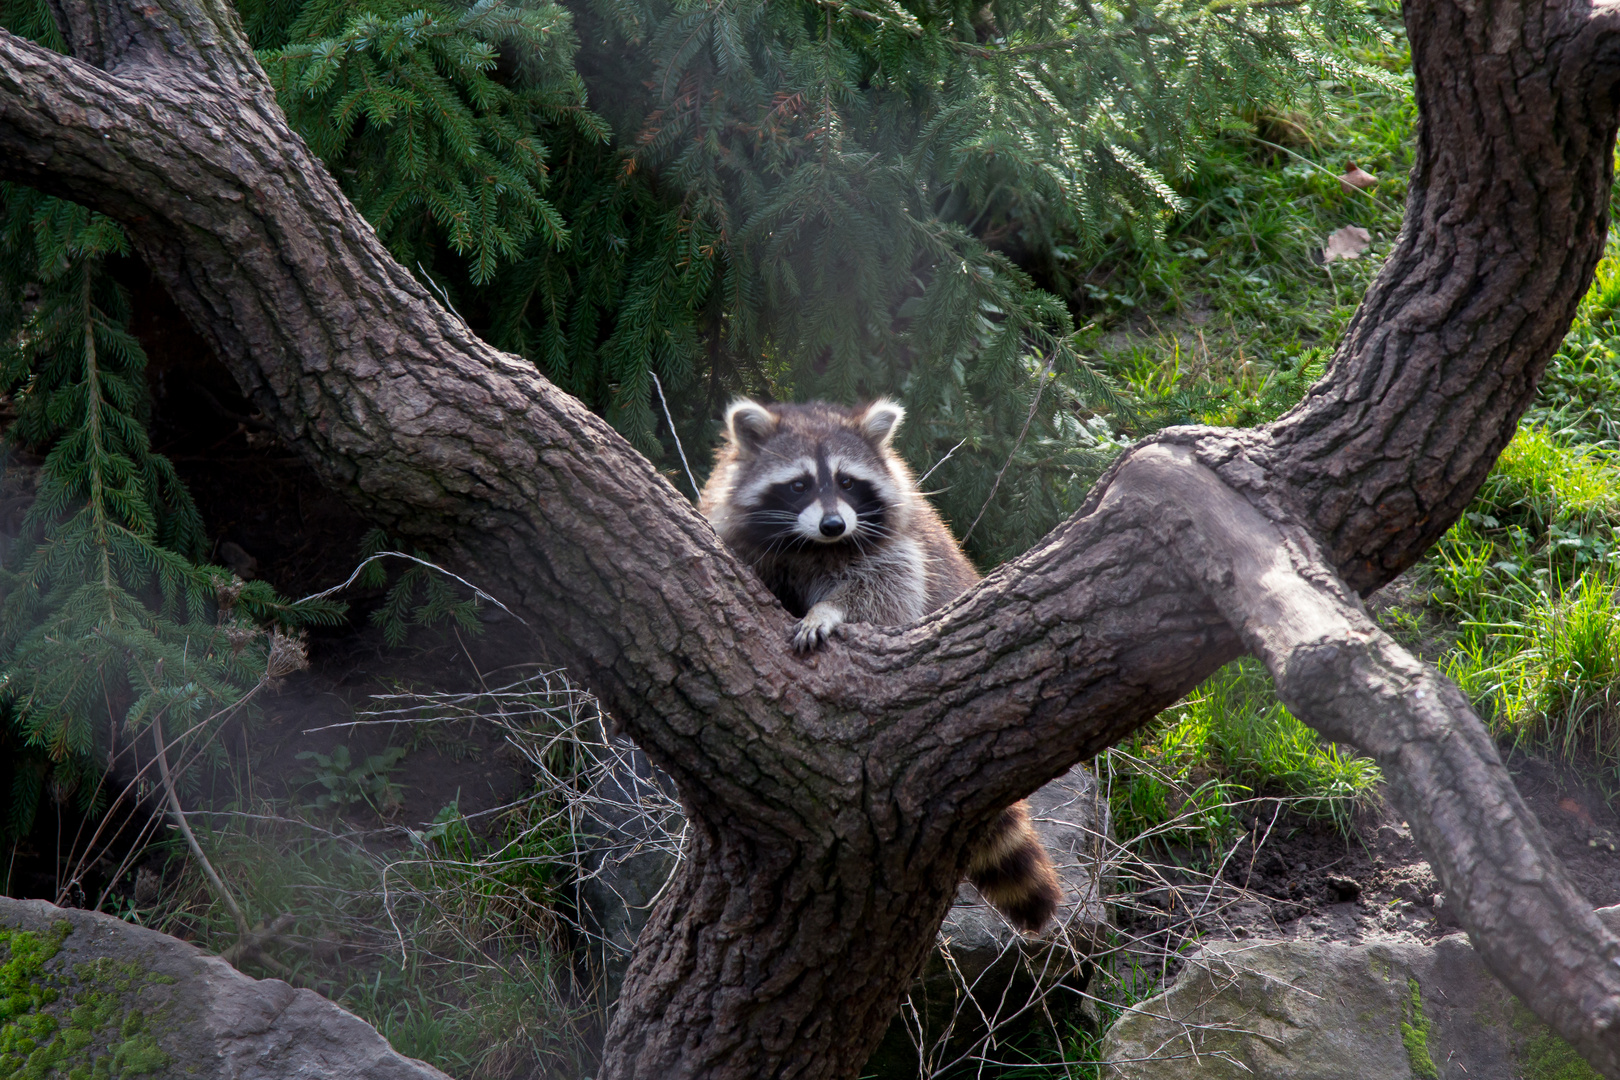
(813, 477)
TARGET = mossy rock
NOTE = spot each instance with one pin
(84, 996)
(1391, 1008)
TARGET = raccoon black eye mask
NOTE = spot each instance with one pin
(816, 500)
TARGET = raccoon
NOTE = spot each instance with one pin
(816, 500)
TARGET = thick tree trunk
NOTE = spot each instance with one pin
(830, 796)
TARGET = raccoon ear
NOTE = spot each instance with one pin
(881, 420)
(748, 425)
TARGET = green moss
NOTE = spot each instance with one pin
(1543, 1055)
(80, 1024)
(1415, 1037)
(1547, 1057)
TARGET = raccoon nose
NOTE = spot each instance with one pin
(832, 525)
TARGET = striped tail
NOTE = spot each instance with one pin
(1013, 872)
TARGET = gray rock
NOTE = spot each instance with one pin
(1307, 1010)
(628, 835)
(141, 1003)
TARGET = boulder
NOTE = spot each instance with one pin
(629, 833)
(93, 996)
(1392, 1008)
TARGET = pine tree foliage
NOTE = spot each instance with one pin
(807, 199)
(792, 199)
(875, 176)
(409, 103)
(106, 611)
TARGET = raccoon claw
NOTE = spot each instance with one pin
(816, 627)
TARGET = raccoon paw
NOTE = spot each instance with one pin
(816, 627)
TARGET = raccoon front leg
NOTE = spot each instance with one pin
(817, 626)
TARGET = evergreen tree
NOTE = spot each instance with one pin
(789, 199)
(107, 613)
(804, 199)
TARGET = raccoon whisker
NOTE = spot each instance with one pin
(876, 533)
(781, 542)
(866, 544)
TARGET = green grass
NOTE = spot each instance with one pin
(1235, 316)
(1580, 393)
(1546, 671)
(449, 947)
(1529, 579)
(1229, 740)
(1550, 482)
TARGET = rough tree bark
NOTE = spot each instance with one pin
(830, 796)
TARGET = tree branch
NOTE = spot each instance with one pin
(1348, 679)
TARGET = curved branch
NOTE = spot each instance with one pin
(1348, 679)
(1506, 217)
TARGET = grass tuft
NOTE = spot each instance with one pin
(1549, 679)
(1230, 738)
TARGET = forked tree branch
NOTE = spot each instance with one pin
(1342, 674)
(831, 798)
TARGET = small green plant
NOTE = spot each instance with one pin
(1227, 739)
(347, 784)
(1543, 1055)
(449, 946)
(108, 615)
(1415, 1036)
(1170, 800)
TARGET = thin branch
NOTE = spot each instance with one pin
(940, 462)
(179, 815)
(670, 420)
(1041, 379)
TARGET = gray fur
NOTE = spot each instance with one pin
(896, 564)
(888, 576)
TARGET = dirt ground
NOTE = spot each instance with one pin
(1302, 879)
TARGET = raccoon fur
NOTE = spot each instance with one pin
(816, 500)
